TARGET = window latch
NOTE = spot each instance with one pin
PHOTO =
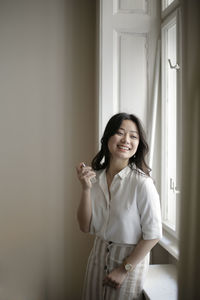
(176, 66)
(173, 187)
(171, 184)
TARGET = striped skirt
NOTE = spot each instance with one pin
(104, 257)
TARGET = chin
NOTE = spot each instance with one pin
(124, 157)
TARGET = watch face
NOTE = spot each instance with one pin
(128, 267)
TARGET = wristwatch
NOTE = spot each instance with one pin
(128, 267)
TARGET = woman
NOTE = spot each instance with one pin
(122, 209)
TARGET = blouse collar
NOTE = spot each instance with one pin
(122, 174)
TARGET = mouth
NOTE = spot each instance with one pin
(123, 148)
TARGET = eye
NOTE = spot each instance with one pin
(134, 137)
(119, 132)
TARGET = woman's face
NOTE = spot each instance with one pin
(124, 143)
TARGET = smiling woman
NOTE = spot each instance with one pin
(114, 127)
(122, 209)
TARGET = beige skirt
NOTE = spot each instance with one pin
(104, 257)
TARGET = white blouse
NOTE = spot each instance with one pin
(132, 212)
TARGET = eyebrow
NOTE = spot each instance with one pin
(134, 131)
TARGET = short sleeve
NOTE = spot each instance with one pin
(149, 209)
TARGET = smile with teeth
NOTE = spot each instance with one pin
(123, 148)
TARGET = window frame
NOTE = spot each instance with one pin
(165, 11)
(171, 235)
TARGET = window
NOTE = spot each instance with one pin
(171, 117)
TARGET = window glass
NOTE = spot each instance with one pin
(171, 134)
(169, 97)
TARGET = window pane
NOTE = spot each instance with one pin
(171, 92)
(169, 86)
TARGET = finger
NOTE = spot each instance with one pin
(108, 281)
(79, 167)
(105, 281)
(86, 170)
(88, 174)
(107, 278)
(116, 284)
(83, 166)
(112, 283)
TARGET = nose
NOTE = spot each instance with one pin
(125, 138)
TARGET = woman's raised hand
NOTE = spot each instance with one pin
(85, 174)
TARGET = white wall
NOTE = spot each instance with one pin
(47, 105)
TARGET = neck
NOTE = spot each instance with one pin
(115, 167)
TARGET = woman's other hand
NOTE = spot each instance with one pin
(115, 278)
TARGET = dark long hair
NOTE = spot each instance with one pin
(102, 159)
